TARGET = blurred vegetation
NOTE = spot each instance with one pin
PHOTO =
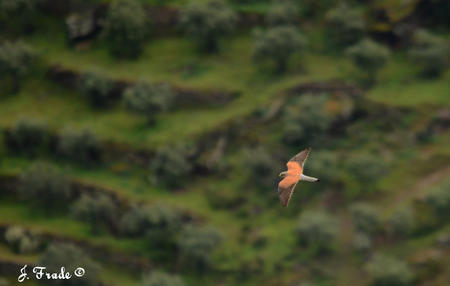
(142, 141)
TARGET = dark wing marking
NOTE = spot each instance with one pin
(286, 188)
(301, 157)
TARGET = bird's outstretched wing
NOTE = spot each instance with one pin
(301, 157)
(286, 188)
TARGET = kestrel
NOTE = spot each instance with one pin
(292, 176)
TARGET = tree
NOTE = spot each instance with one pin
(206, 22)
(148, 100)
(45, 184)
(16, 60)
(80, 146)
(20, 240)
(196, 245)
(401, 222)
(324, 163)
(22, 10)
(282, 13)
(388, 271)
(158, 278)
(365, 169)
(126, 28)
(261, 166)
(158, 222)
(439, 200)
(317, 229)
(99, 211)
(170, 165)
(430, 52)
(278, 44)
(366, 218)
(28, 137)
(70, 257)
(306, 118)
(362, 242)
(96, 88)
(369, 57)
(345, 26)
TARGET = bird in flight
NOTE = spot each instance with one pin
(292, 176)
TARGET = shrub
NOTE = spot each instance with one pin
(158, 222)
(3, 282)
(365, 217)
(324, 163)
(368, 57)
(170, 165)
(362, 242)
(206, 22)
(388, 271)
(148, 100)
(430, 52)
(16, 60)
(306, 118)
(317, 229)
(21, 10)
(126, 28)
(99, 211)
(71, 257)
(28, 137)
(260, 165)
(45, 184)
(402, 222)
(282, 13)
(79, 146)
(278, 44)
(439, 200)
(21, 241)
(366, 169)
(158, 278)
(345, 26)
(196, 245)
(96, 88)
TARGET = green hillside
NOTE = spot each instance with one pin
(142, 140)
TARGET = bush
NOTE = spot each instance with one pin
(430, 53)
(16, 60)
(345, 26)
(99, 211)
(28, 137)
(278, 44)
(305, 119)
(148, 100)
(21, 10)
(366, 218)
(317, 229)
(324, 163)
(439, 201)
(45, 184)
(388, 271)
(282, 13)
(158, 278)
(21, 241)
(96, 88)
(79, 146)
(206, 22)
(261, 166)
(71, 257)
(401, 222)
(158, 222)
(170, 165)
(196, 245)
(126, 28)
(365, 170)
(362, 242)
(368, 57)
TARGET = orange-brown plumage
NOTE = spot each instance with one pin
(292, 176)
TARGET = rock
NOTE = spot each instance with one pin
(81, 26)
